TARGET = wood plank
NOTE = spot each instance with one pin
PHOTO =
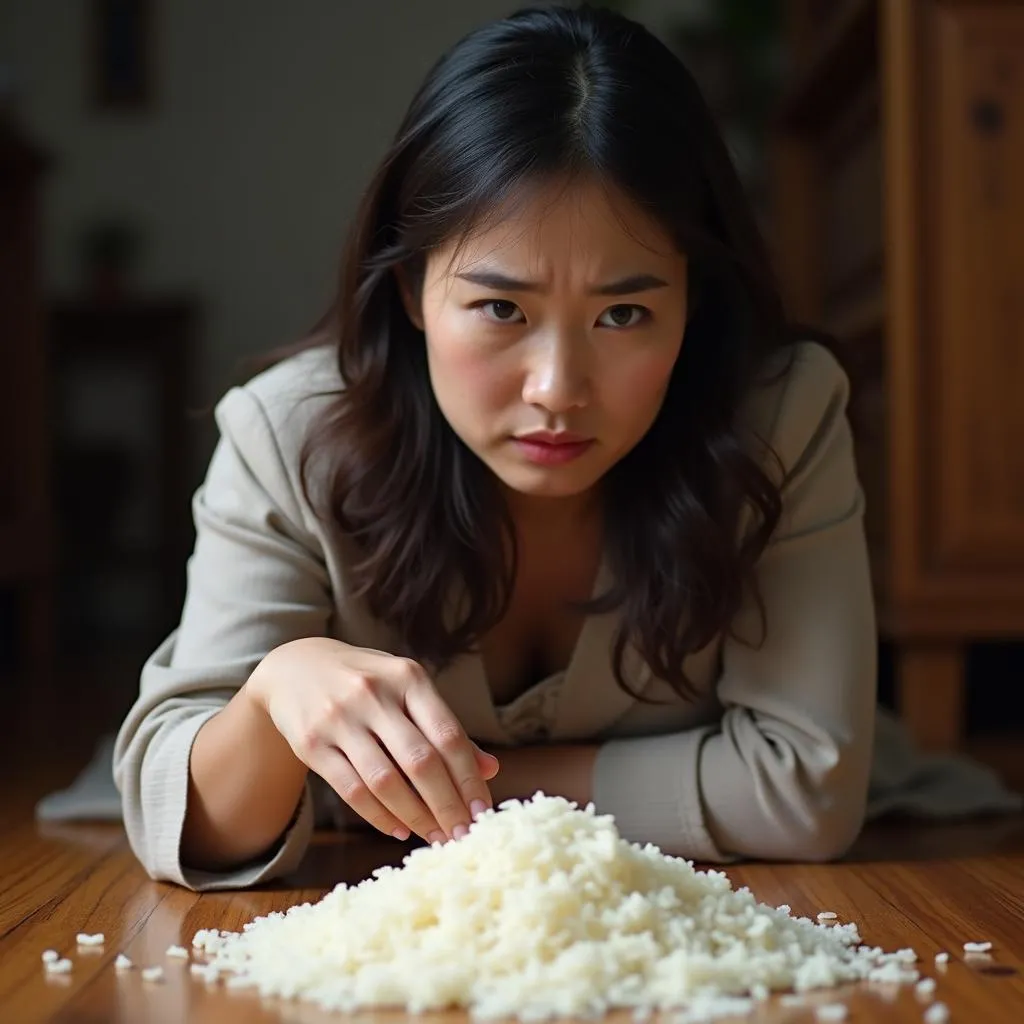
(113, 897)
(45, 866)
(904, 354)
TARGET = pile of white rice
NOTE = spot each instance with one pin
(543, 910)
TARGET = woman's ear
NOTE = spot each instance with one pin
(411, 297)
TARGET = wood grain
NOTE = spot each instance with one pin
(929, 887)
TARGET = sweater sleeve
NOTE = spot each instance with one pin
(784, 773)
(256, 579)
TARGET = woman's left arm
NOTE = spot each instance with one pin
(784, 773)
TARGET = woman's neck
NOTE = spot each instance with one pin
(553, 521)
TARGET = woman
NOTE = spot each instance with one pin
(553, 477)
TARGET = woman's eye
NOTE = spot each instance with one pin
(623, 316)
(501, 311)
(504, 312)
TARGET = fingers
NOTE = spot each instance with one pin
(488, 763)
(341, 775)
(429, 713)
(428, 772)
(403, 758)
(385, 781)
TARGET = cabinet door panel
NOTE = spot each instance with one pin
(972, 294)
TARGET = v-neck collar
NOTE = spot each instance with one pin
(589, 699)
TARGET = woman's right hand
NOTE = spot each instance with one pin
(374, 727)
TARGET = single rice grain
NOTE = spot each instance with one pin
(832, 1012)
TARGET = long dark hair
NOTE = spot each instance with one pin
(551, 93)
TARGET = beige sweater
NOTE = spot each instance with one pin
(773, 763)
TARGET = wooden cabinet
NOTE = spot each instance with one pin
(26, 520)
(899, 220)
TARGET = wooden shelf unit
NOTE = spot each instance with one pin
(899, 222)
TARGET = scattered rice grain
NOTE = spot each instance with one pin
(704, 1009)
(832, 1012)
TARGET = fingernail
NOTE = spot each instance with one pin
(476, 808)
(436, 837)
(460, 832)
(401, 834)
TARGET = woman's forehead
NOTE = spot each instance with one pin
(582, 220)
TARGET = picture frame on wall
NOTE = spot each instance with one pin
(122, 54)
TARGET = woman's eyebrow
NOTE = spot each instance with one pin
(502, 282)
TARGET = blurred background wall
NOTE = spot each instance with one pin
(178, 180)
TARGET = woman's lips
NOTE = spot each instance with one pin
(544, 453)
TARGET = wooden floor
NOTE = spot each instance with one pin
(929, 888)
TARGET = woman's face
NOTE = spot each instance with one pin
(551, 337)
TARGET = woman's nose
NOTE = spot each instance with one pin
(557, 376)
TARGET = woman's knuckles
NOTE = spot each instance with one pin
(354, 791)
(420, 762)
(448, 737)
(362, 686)
(383, 778)
(309, 738)
(408, 672)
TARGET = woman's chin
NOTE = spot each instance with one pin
(547, 482)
